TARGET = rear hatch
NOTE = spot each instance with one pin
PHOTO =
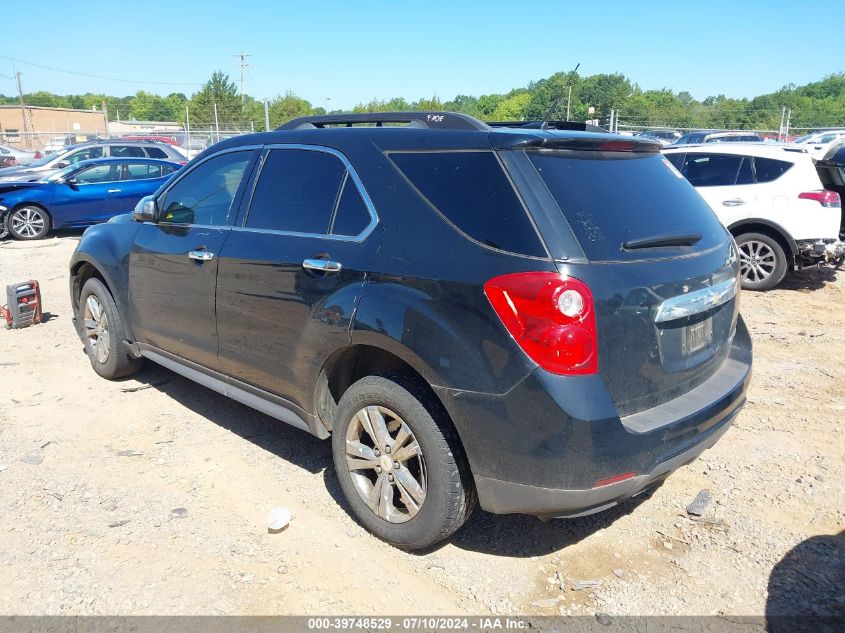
(831, 170)
(661, 268)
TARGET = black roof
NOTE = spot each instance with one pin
(437, 130)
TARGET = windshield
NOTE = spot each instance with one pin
(62, 173)
(48, 158)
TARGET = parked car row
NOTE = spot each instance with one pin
(587, 280)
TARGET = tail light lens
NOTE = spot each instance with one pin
(38, 155)
(823, 197)
(551, 317)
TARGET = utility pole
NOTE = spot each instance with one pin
(216, 123)
(266, 116)
(327, 104)
(782, 117)
(243, 65)
(786, 131)
(23, 109)
(187, 129)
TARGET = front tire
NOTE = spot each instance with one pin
(762, 260)
(104, 334)
(399, 462)
(28, 223)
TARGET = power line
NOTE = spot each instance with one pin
(79, 74)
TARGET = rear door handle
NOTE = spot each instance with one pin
(322, 265)
(202, 256)
(113, 191)
(733, 202)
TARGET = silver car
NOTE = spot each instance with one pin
(11, 156)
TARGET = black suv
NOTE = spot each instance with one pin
(542, 320)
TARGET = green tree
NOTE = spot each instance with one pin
(222, 92)
(287, 107)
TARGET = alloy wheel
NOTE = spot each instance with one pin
(757, 261)
(386, 464)
(97, 328)
(28, 222)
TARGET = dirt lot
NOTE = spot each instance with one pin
(155, 501)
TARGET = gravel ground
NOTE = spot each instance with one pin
(155, 501)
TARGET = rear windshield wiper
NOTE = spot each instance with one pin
(656, 241)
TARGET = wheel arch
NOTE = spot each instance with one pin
(349, 364)
(21, 205)
(766, 227)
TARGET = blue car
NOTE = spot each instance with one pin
(82, 194)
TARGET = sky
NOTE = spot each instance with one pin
(351, 52)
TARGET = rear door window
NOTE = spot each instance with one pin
(769, 169)
(609, 198)
(472, 192)
(297, 191)
(156, 152)
(143, 171)
(126, 151)
(711, 170)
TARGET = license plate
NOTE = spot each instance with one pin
(697, 336)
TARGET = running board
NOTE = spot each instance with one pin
(267, 403)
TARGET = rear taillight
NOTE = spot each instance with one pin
(823, 197)
(551, 317)
(38, 155)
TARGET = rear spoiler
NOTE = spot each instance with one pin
(587, 142)
(576, 126)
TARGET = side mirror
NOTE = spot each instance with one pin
(69, 181)
(146, 210)
(61, 164)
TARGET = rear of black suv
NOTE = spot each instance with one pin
(597, 302)
(548, 319)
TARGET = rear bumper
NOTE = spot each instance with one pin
(505, 497)
(544, 447)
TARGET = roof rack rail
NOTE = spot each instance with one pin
(426, 119)
(577, 126)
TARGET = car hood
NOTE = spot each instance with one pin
(23, 174)
(6, 187)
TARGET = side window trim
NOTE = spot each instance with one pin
(240, 224)
(238, 197)
(339, 195)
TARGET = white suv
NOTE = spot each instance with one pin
(772, 199)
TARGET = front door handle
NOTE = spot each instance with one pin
(113, 191)
(733, 202)
(202, 256)
(322, 265)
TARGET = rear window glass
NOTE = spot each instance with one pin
(612, 198)
(472, 192)
(769, 169)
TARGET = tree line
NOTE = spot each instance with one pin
(816, 104)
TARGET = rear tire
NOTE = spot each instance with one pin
(103, 330)
(763, 262)
(28, 222)
(430, 494)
